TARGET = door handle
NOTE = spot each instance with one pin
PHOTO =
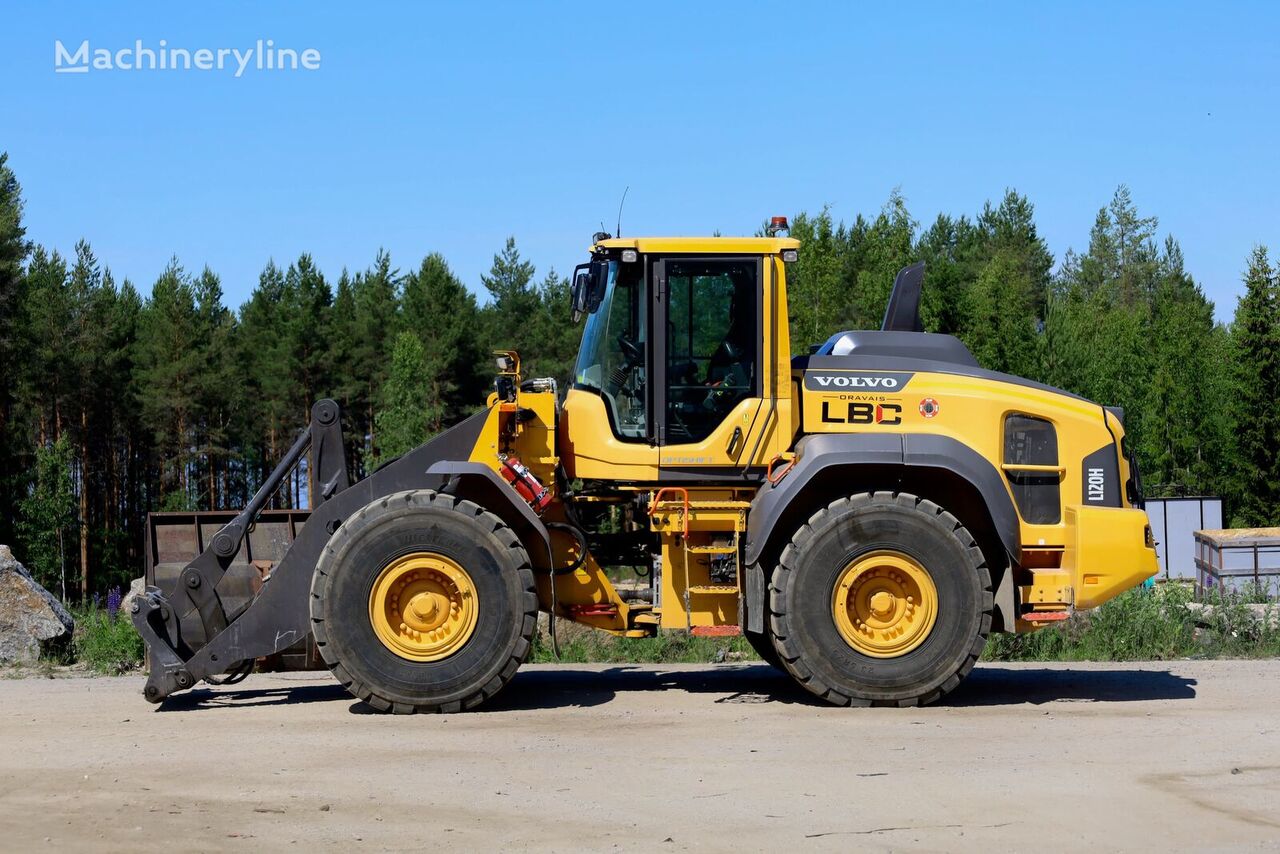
(735, 440)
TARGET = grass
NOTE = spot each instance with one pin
(1146, 624)
(580, 647)
(1139, 625)
(105, 643)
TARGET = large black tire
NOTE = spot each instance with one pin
(806, 637)
(404, 523)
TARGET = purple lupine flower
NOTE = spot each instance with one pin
(113, 602)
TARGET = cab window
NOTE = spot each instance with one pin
(611, 361)
(712, 351)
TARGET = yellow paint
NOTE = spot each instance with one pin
(1108, 552)
(423, 607)
(708, 245)
(715, 519)
(1084, 558)
(884, 604)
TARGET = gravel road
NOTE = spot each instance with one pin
(1181, 755)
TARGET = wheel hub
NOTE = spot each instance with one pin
(884, 604)
(423, 606)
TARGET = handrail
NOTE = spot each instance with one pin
(657, 498)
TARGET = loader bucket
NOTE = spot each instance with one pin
(245, 593)
(174, 540)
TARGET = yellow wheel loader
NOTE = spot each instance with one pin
(866, 513)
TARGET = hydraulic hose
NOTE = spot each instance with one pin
(578, 534)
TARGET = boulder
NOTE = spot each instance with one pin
(32, 621)
(136, 588)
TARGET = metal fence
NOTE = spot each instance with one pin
(1174, 522)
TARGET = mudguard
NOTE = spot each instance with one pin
(819, 452)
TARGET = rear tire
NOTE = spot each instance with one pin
(917, 665)
(497, 574)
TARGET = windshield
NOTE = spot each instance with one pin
(612, 359)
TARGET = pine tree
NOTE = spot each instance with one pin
(13, 252)
(217, 392)
(168, 368)
(442, 313)
(1000, 327)
(1098, 329)
(949, 250)
(84, 342)
(307, 299)
(349, 387)
(878, 251)
(47, 517)
(1185, 405)
(815, 285)
(374, 299)
(556, 332)
(514, 301)
(266, 356)
(1256, 336)
(409, 405)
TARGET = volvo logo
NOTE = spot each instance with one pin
(862, 381)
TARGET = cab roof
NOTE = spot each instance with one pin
(701, 245)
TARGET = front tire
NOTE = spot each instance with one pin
(881, 599)
(423, 602)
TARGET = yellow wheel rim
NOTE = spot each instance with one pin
(423, 607)
(884, 604)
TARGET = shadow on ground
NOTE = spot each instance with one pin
(996, 685)
(570, 687)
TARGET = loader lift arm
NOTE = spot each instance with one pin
(179, 628)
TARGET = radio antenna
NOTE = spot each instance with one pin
(618, 233)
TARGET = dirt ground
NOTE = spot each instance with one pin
(1182, 755)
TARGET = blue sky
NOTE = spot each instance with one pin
(433, 127)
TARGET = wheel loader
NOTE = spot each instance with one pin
(865, 513)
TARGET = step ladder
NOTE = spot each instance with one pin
(690, 509)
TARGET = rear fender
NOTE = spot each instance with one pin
(829, 466)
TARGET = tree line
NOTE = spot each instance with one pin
(115, 402)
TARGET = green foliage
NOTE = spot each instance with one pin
(167, 370)
(1256, 336)
(174, 401)
(1146, 624)
(47, 517)
(410, 405)
(13, 252)
(443, 314)
(815, 282)
(104, 643)
(667, 648)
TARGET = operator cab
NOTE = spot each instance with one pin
(675, 363)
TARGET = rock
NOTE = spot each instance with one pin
(136, 587)
(32, 621)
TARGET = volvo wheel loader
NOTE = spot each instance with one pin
(866, 513)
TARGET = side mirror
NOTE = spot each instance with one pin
(599, 271)
(579, 289)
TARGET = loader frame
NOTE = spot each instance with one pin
(190, 632)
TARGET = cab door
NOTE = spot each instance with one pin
(708, 404)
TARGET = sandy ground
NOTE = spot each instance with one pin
(1182, 755)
